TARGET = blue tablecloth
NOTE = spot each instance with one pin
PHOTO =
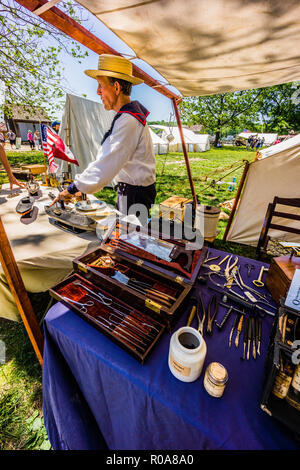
(96, 396)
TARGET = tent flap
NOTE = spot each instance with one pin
(87, 121)
(275, 175)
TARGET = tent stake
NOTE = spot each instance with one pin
(185, 153)
(237, 197)
(18, 290)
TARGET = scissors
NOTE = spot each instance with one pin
(83, 306)
(103, 299)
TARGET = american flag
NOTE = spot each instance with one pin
(54, 147)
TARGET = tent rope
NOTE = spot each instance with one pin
(227, 174)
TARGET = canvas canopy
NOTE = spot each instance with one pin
(269, 137)
(203, 47)
(276, 173)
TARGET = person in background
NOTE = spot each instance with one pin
(262, 142)
(257, 143)
(12, 179)
(55, 126)
(36, 140)
(30, 139)
(12, 138)
(253, 142)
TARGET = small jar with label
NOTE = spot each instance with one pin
(283, 380)
(215, 379)
(293, 396)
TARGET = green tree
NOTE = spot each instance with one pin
(273, 109)
(216, 112)
(280, 108)
(30, 50)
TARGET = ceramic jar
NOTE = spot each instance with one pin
(187, 353)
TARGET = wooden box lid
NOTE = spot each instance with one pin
(287, 265)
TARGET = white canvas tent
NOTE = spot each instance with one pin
(269, 137)
(160, 146)
(85, 122)
(202, 143)
(275, 173)
(194, 142)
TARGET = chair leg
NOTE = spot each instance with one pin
(262, 241)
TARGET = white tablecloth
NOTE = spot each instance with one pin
(44, 252)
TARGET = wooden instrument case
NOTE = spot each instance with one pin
(280, 275)
(167, 279)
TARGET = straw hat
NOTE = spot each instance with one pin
(110, 65)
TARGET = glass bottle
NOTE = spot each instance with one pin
(293, 396)
(283, 380)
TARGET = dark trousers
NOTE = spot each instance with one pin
(129, 195)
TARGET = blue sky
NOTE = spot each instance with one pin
(78, 83)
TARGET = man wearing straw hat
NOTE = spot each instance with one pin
(126, 152)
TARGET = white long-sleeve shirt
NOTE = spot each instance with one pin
(127, 155)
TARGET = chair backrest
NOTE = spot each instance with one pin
(267, 225)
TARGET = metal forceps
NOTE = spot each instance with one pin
(102, 298)
(195, 309)
(229, 267)
(213, 305)
(83, 305)
(201, 321)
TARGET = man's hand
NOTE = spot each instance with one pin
(66, 197)
(13, 180)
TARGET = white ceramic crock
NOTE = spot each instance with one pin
(187, 354)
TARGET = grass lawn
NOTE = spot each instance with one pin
(21, 423)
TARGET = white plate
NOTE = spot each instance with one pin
(93, 206)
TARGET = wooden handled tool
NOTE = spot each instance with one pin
(249, 337)
(191, 315)
(246, 326)
(239, 329)
(236, 321)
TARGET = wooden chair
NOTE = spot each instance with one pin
(267, 225)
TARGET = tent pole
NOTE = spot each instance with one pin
(68, 135)
(18, 290)
(237, 197)
(185, 152)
